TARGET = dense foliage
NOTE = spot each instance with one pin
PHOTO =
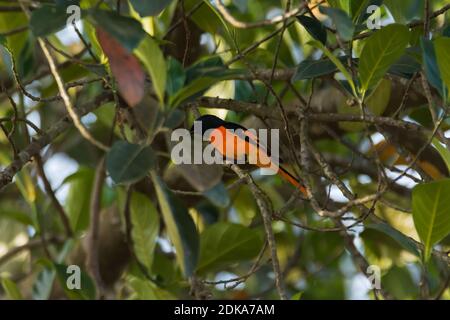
(91, 91)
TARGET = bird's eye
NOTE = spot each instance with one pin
(213, 138)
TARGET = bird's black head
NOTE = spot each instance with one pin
(208, 121)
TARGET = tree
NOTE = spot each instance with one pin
(357, 89)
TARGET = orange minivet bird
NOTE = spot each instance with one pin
(234, 141)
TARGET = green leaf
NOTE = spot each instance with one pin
(175, 76)
(79, 198)
(395, 276)
(443, 151)
(43, 285)
(405, 67)
(145, 221)
(151, 56)
(314, 27)
(180, 227)
(146, 290)
(16, 42)
(225, 243)
(342, 22)
(11, 289)
(431, 213)
(47, 20)
(126, 30)
(297, 296)
(149, 7)
(442, 49)
(87, 289)
(336, 62)
(128, 163)
(309, 69)
(208, 19)
(430, 65)
(404, 11)
(202, 75)
(381, 50)
(403, 240)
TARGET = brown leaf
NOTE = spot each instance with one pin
(125, 67)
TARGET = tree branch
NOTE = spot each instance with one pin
(26, 155)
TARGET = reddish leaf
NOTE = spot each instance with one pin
(125, 67)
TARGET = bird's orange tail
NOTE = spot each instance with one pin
(291, 179)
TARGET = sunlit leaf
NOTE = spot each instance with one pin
(431, 213)
(151, 56)
(442, 49)
(11, 289)
(443, 151)
(145, 222)
(381, 50)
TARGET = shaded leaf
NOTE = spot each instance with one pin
(145, 221)
(175, 76)
(126, 30)
(128, 163)
(226, 243)
(430, 65)
(397, 275)
(149, 7)
(47, 20)
(342, 22)
(431, 212)
(381, 50)
(180, 227)
(403, 240)
(125, 67)
(314, 27)
(405, 67)
(218, 195)
(309, 69)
